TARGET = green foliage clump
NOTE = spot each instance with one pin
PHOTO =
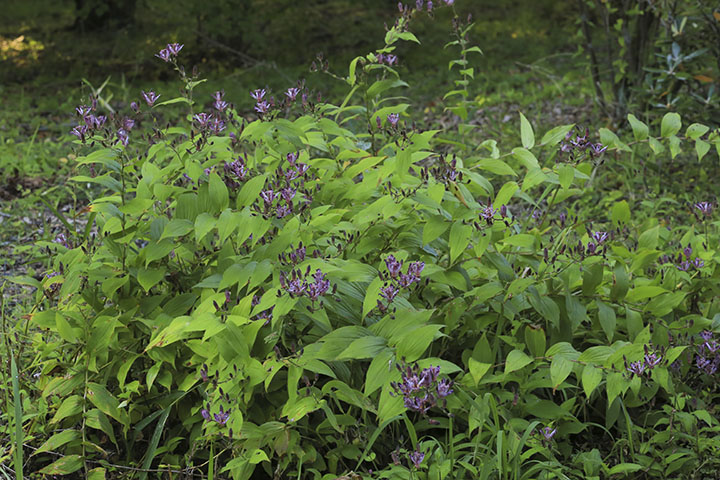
(327, 290)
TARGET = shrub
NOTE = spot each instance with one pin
(319, 292)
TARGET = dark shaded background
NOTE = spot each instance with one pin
(51, 41)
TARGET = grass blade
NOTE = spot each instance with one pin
(154, 441)
(18, 420)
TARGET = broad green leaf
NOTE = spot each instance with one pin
(526, 133)
(460, 235)
(535, 340)
(701, 148)
(414, 343)
(556, 134)
(149, 277)
(640, 130)
(478, 369)
(203, 224)
(380, 372)
(63, 466)
(670, 125)
(606, 317)
(71, 406)
(435, 226)
(364, 347)
(616, 385)
(58, 440)
(505, 194)
(516, 360)
(105, 402)
(177, 228)
(372, 295)
(620, 213)
(560, 369)
(566, 175)
(696, 131)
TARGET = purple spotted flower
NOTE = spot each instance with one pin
(706, 208)
(417, 458)
(174, 48)
(123, 137)
(292, 93)
(548, 433)
(262, 107)
(150, 97)
(202, 119)
(80, 131)
(393, 265)
(164, 55)
(389, 292)
(258, 94)
(393, 119)
(599, 237)
(222, 417)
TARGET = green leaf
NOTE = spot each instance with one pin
(363, 347)
(535, 340)
(176, 228)
(556, 134)
(478, 369)
(505, 194)
(701, 148)
(620, 213)
(372, 295)
(616, 384)
(203, 224)
(258, 455)
(624, 468)
(460, 235)
(592, 277)
(526, 133)
(380, 371)
(173, 101)
(96, 474)
(106, 403)
(149, 277)
(566, 175)
(696, 131)
(516, 360)
(64, 465)
(640, 130)
(670, 125)
(72, 405)
(560, 369)
(58, 440)
(435, 226)
(606, 317)
(414, 343)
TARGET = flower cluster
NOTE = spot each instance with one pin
(299, 284)
(652, 359)
(596, 240)
(265, 314)
(443, 171)
(280, 197)
(577, 146)
(296, 255)
(707, 358)
(220, 418)
(235, 172)
(422, 390)
(386, 59)
(169, 53)
(397, 280)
